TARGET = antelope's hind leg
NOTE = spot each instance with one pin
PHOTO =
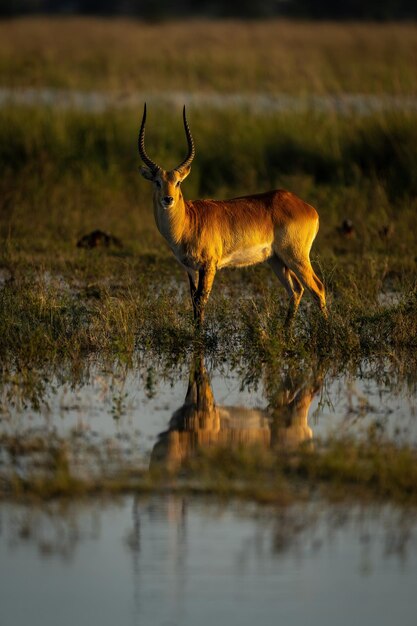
(308, 278)
(292, 286)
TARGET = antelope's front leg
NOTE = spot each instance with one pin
(193, 280)
(205, 283)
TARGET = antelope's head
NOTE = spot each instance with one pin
(166, 184)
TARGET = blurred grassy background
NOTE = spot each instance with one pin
(66, 172)
(228, 56)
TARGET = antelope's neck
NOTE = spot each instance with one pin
(171, 222)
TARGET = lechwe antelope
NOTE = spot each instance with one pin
(207, 235)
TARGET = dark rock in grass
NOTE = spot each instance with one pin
(97, 239)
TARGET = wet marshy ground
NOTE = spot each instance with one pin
(116, 421)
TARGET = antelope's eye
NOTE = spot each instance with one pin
(178, 183)
(158, 184)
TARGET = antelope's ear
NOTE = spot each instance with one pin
(146, 172)
(184, 171)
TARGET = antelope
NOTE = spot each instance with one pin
(207, 235)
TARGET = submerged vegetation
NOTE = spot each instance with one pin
(67, 173)
(374, 469)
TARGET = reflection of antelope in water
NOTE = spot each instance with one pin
(200, 423)
(289, 412)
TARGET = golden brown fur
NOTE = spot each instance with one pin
(206, 235)
(241, 221)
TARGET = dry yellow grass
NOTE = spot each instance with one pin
(272, 56)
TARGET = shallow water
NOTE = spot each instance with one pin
(181, 561)
(123, 417)
(98, 101)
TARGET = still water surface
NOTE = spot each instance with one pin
(170, 560)
(120, 413)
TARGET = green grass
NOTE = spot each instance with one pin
(45, 324)
(228, 56)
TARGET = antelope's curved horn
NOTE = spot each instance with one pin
(191, 148)
(141, 145)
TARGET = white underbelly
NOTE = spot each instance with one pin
(247, 256)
